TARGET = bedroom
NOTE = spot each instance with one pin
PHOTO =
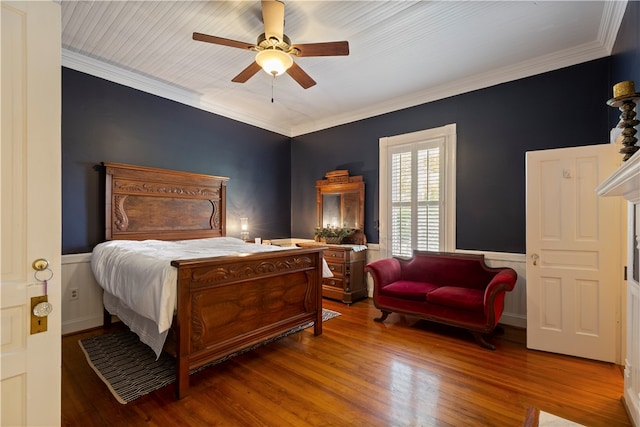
(264, 165)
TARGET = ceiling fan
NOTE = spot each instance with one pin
(274, 49)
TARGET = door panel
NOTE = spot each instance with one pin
(30, 210)
(574, 264)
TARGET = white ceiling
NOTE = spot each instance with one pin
(402, 53)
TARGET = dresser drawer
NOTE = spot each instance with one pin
(347, 265)
(333, 282)
(336, 269)
(334, 254)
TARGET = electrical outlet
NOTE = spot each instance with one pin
(73, 293)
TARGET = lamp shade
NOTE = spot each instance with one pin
(273, 61)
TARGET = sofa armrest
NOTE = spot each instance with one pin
(384, 272)
(504, 280)
(494, 294)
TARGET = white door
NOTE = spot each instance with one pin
(574, 253)
(30, 211)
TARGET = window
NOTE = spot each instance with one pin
(417, 192)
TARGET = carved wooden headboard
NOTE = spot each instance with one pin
(150, 203)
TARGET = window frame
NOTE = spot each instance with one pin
(389, 145)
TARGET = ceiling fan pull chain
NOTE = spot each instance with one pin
(272, 84)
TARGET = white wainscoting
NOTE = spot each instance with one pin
(515, 302)
(85, 312)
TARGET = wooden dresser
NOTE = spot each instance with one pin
(348, 282)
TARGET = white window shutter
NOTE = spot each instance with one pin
(415, 198)
(414, 173)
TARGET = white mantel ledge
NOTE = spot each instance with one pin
(625, 181)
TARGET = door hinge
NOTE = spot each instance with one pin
(625, 272)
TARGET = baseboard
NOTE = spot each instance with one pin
(628, 410)
(514, 320)
(81, 324)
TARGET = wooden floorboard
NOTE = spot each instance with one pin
(403, 372)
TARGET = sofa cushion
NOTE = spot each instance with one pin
(457, 297)
(446, 269)
(407, 289)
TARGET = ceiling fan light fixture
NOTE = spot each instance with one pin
(273, 61)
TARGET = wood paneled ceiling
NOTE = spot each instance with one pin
(402, 53)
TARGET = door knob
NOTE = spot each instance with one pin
(40, 264)
(42, 309)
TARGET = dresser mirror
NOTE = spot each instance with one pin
(341, 209)
(340, 200)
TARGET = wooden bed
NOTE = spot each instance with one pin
(224, 303)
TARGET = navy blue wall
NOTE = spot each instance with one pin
(495, 127)
(106, 122)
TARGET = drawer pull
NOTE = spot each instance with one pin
(332, 268)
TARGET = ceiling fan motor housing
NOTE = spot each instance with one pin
(273, 43)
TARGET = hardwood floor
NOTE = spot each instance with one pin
(360, 373)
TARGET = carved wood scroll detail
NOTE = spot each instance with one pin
(136, 187)
(251, 270)
(340, 176)
(197, 326)
(215, 214)
(121, 221)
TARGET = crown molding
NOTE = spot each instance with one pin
(612, 16)
(542, 64)
(611, 19)
(146, 84)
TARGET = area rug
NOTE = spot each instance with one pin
(130, 369)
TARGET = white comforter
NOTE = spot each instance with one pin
(140, 283)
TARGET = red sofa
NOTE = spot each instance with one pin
(451, 288)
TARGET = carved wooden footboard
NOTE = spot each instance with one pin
(225, 304)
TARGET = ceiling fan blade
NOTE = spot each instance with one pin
(299, 75)
(221, 41)
(273, 18)
(247, 73)
(323, 49)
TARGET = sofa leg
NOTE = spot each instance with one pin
(383, 317)
(482, 341)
